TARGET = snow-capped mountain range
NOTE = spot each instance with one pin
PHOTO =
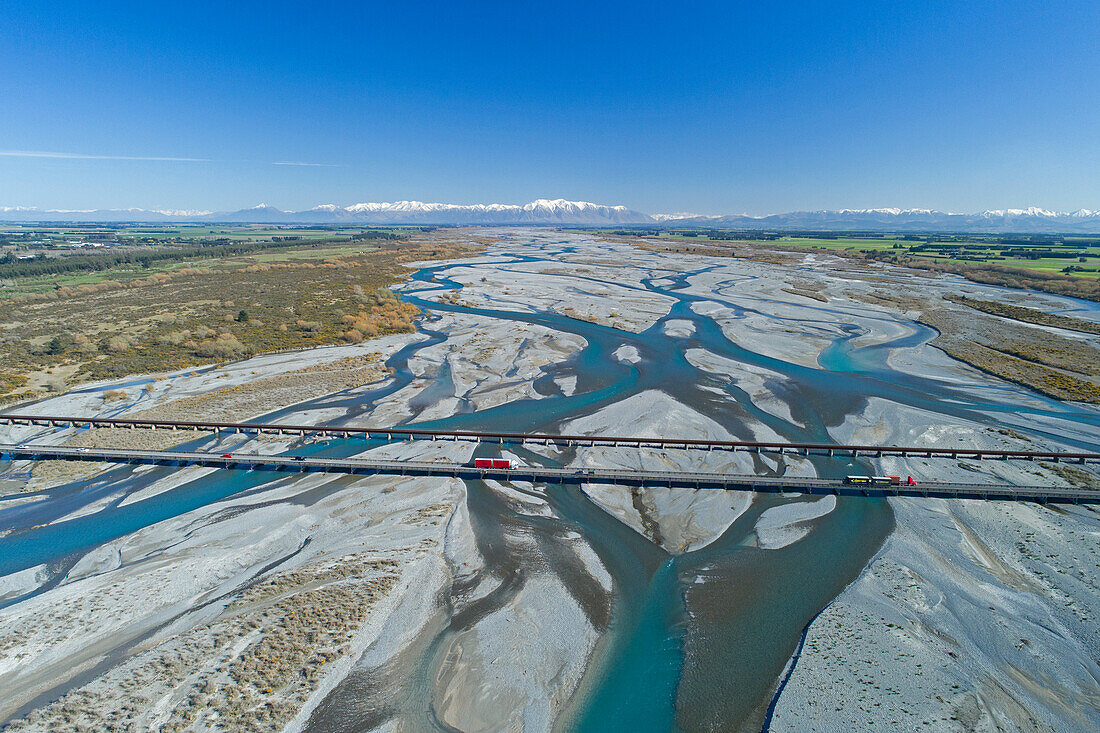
(541, 211)
(561, 211)
(1031, 220)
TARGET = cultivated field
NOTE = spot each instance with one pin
(1065, 265)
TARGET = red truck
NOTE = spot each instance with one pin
(494, 463)
(880, 480)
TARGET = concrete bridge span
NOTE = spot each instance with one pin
(536, 474)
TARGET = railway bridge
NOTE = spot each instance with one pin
(403, 434)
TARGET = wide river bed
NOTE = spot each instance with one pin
(694, 637)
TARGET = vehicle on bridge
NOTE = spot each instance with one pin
(879, 481)
(495, 463)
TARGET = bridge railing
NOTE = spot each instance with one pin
(627, 477)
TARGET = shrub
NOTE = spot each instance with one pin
(55, 383)
(117, 344)
(59, 344)
(174, 338)
(226, 346)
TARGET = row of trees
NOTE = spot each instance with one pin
(12, 267)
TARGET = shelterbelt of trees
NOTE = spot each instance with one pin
(1014, 261)
(12, 267)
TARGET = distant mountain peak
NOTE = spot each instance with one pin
(540, 211)
(1032, 219)
(548, 211)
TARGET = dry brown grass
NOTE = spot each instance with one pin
(161, 323)
(811, 294)
(292, 626)
(1050, 364)
(1027, 315)
(258, 396)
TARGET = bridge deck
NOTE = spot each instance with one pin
(678, 479)
(551, 439)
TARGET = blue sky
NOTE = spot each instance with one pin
(706, 107)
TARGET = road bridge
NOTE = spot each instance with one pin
(399, 433)
(619, 476)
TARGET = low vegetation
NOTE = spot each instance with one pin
(251, 669)
(259, 395)
(192, 315)
(1053, 365)
(807, 289)
(1074, 476)
(1027, 315)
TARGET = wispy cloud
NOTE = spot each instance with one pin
(161, 158)
(309, 165)
(86, 156)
